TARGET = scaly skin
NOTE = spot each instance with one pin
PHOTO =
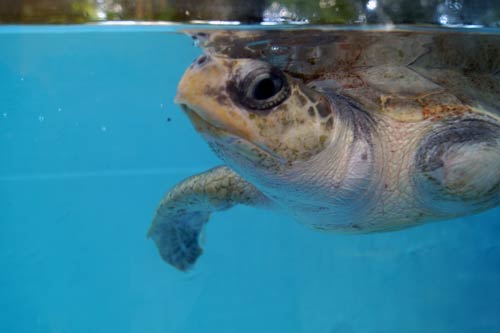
(182, 214)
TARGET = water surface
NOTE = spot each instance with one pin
(90, 140)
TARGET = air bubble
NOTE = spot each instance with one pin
(443, 19)
(279, 50)
(371, 5)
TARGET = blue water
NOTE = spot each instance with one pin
(86, 153)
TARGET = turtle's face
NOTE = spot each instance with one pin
(252, 114)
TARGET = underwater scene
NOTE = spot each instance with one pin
(91, 141)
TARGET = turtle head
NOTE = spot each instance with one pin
(253, 114)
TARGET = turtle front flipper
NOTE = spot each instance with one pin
(458, 167)
(183, 212)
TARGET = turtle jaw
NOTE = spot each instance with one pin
(207, 129)
(231, 142)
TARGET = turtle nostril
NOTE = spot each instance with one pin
(201, 60)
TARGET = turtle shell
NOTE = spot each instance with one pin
(405, 74)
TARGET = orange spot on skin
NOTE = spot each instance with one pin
(355, 82)
(439, 112)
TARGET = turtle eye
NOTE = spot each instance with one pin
(266, 86)
(264, 89)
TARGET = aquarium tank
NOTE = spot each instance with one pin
(92, 140)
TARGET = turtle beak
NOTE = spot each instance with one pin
(203, 127)
(178, 99)
(202, 90)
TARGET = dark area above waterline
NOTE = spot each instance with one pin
(441, 12)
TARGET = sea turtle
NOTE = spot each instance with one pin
(348, 131)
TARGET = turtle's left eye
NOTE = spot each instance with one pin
(264, 89)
